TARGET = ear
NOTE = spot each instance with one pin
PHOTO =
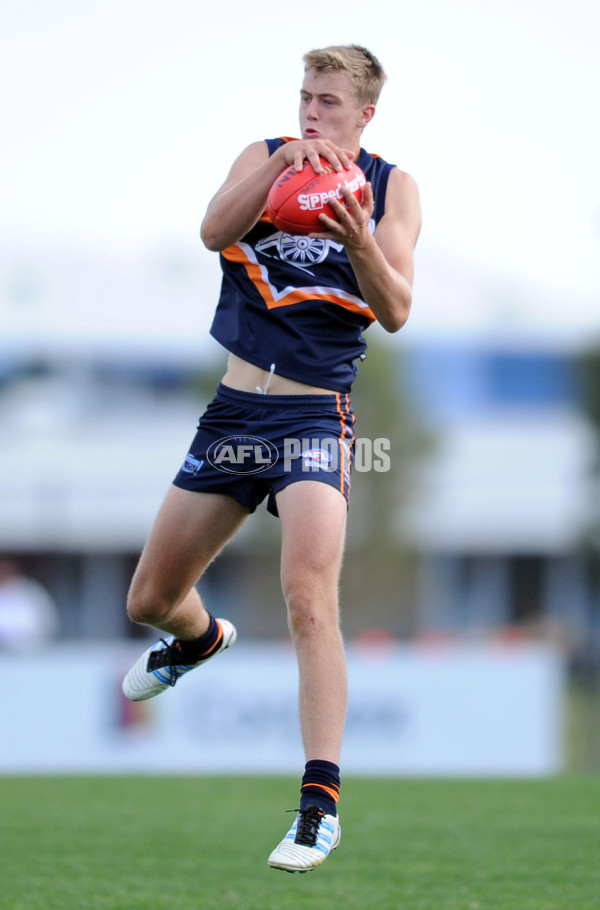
(366, 115)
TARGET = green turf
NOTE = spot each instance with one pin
(200, 843)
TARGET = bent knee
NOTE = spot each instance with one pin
(146, 608)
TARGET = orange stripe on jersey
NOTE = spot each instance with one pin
(243, 254)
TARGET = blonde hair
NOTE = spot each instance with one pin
(363, 68)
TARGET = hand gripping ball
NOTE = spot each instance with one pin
(297, 198)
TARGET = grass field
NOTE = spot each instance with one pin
(181, 843)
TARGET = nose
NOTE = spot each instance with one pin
(311, 110)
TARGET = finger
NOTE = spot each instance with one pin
(349, 209)
(340, 211)
(368, 202)
(299, 161)
(329, 222)
(327, 235)
(312, 157)
(331, 228)
(344, 158)
(315, 159)
(315, 150)
(350, 200)
(339, 158)
(353, 205)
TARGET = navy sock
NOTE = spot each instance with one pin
(320, 786)
(200, 648)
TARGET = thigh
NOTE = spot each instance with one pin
(313, 524)
(189, 532)
(315, 442)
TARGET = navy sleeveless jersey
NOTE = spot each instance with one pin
(293, 301)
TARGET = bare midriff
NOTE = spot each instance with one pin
(245, 377)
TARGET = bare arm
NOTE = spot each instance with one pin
(239, 203)
(382, 262)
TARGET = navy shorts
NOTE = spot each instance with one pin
(249, 446)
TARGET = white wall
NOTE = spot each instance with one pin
(493, 710)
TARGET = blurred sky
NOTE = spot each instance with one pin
(121, 117)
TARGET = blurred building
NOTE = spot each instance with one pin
(503, 505)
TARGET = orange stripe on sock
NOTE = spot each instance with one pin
(216, 644)
(335, 794)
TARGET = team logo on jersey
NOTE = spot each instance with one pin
(296, 249)
(317, 458)
(191, 465)
(299, 250)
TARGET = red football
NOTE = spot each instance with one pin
(297, 198)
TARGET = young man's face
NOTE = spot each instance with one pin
(330, 110)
